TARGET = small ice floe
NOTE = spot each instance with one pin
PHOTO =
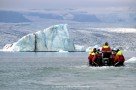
(79, 48)
(91, 48)
(62, 51)
(88, 49)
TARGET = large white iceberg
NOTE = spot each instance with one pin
(54, 38)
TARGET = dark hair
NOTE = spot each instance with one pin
(94, 50)
(117, 50)
(106, 43)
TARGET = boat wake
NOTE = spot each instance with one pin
(128, 64)
(131, 60)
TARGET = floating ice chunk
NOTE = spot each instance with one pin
(79, 48)
(96, 46)
(92, 47)
(54, 38)
(62, 51)
(89, 49)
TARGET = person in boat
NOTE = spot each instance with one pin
(119, 58)
(92, 57)
(106, 50)
(114, 52)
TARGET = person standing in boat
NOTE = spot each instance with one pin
(106, 50)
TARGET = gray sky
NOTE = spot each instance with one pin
(58, 4)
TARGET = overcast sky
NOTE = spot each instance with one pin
(46, 4)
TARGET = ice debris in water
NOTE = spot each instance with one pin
(54, 38)
(62, 51)
(91, 48)
(79, 47)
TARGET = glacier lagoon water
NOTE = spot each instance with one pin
(62, 71)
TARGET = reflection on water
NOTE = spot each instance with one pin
(59, 71)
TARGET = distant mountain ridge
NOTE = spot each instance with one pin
(77, 16)
(12, 17)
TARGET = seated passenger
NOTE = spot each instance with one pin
(92, 57)
(99, 58)
(119, 58)
(113, 56)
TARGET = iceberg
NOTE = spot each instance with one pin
(54, 38)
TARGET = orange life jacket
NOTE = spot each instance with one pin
(119, 57)
(106, 49)
(92, 56)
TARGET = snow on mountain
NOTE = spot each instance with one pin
(122, 38)
(117, 30)
(54, 38)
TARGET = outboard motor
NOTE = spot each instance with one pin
(105, 61)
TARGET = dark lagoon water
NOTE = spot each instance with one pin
(63, 71)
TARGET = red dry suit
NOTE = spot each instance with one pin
(106, 48)
(119, 57)
(106, 51)
(92, 57)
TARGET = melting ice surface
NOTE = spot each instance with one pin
(63, 71)
(54, 38)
